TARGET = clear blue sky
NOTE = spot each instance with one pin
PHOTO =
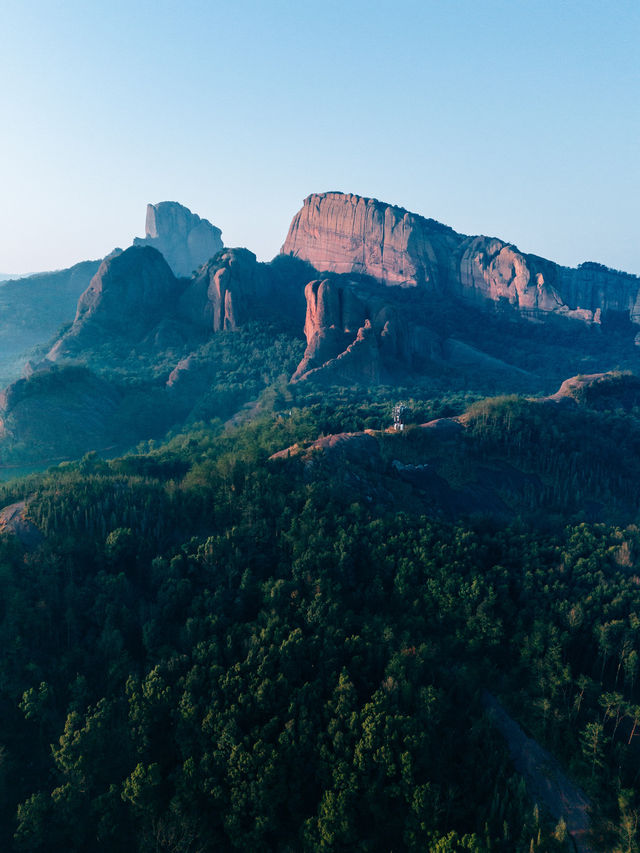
(513, 118)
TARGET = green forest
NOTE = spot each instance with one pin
(208, 649)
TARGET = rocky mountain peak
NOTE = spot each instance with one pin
(345, 233)
(185, 240)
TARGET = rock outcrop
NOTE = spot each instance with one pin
(343, 233)
(234, 288)
(227, 291)
(185, 240)
(362, 333)
(15, 521)
(355, 447)
(355, 332)
(125, 300)
(610, 391)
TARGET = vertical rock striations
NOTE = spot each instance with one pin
(355, 334)
(341, 233)
(185, 240)
(225, 292)
(348, 234)
(234, 288)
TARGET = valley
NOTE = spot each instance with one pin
(241, 611)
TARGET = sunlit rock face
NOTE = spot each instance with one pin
(344, 233)
(185, 240)
(349, 234)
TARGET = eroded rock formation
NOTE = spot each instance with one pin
(185, 240)
(343, 233)
(614, 390)
(355, 332)
(226, 291)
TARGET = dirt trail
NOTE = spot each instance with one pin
(546, 783)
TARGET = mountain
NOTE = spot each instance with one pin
(185, 240)
(34, 307)
(285, 581)
(382, 297)
(400, 293)
(342, 233)
(32, 310)
(154, 350)
(135, 305)
(125, 299)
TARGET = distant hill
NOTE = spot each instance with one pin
(13, 276)
(32, 310)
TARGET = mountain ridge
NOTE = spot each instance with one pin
(347, 233)
(149, 332)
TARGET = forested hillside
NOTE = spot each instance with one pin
(208, 649)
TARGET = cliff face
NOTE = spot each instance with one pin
(185, 240)
(356, 333)
(347, 234)
(234, 288)
(226, 292)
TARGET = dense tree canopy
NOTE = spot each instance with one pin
(211, 650)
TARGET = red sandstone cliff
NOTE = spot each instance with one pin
(343, 233)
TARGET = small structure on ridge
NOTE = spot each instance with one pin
(400, 415)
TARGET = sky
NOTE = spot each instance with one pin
(511, 118)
